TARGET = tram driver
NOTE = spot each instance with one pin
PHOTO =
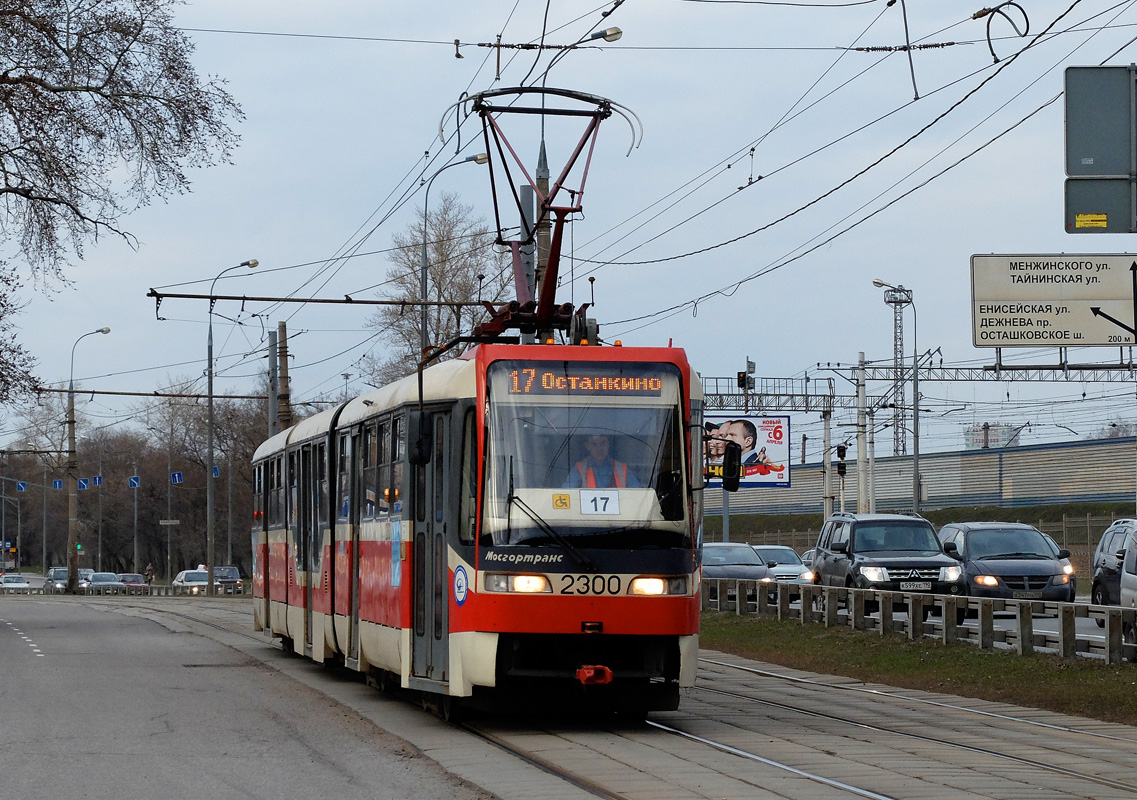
(599, 470)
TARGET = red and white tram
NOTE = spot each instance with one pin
(466, 543)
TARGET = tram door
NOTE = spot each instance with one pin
(431, 577)
(305, 537)
(362, 452)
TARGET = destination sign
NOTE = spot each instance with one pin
(640, 380)
(1053, 300)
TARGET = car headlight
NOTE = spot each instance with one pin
(950, 573)
(986, 580)
(806, 577)
(519, 584)
(1068, 569)
(874, 574)
(656, 587)
(1061, 580)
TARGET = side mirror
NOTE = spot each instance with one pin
(1063, 553)
(771, 564)
(952, 549)
(840, 547)
(731, 467)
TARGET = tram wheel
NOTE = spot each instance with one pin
(450, 709)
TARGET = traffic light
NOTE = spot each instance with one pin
(79, 547)
(741, 379)
(842, 469)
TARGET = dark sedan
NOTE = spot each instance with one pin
(730, 561)
(1009, 560)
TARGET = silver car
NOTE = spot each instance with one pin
(14, 583)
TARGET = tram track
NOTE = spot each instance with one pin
(599, 744)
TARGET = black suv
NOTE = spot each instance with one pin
(1105, 589)
(887, 552)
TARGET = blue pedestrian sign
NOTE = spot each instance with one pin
(217, 472)
(97, 480)
(21, 486)
(57, 484)
(84, 483)
(175, 477)
(133, 482)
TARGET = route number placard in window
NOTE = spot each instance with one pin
(599, 501)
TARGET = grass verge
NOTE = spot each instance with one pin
(1080, 686)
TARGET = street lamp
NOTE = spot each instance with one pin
(897, 296)
(480, 158)
(73, 474)
(209, 527)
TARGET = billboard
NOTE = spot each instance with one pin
(765, 443)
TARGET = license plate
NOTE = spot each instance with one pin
(915, 586)
(1026, 595)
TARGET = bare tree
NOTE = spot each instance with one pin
(91, 92)
(101, 112)
(463, 266)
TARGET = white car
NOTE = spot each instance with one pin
(1129, 584)
(192, 581)
(14, 582)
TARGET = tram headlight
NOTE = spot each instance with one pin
(518, 584)
(656, 587)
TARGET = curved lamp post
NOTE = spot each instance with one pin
(72, 474)
(480, 158)
(894, 294)
(209, 494)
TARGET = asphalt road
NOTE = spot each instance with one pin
(98, 704)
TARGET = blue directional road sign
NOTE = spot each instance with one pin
(133, 481)
(21, 486)
(84, 483)
(175, 477)
(57, 484)
(97, 480)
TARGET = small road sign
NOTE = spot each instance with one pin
(217, 472)
(175, 477)
(169, 522)
(21, 486)
(133, 482)
(97, 480)
(57, 484)
(84, 483)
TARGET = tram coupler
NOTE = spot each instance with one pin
(594, 675)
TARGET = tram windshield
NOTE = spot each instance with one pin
(592, 451)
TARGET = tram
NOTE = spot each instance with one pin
(519, 522)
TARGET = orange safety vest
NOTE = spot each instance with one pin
(619, 474)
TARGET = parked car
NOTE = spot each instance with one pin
(886, 552)
(105, 583)
(134, 583)
(807, 558)
(228, 580)
(14, 582)
(1105, 569)
(1128, 583)
(784, 562)
(733, 561)
(193, 581)
(1009, 560)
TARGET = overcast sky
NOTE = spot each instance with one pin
(794, 168)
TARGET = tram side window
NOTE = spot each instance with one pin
(370, 468)
(276, 493)
(258, 498)
(343, 476)
(468, 482)
(383, 485)
(321, 468)
(399, 445)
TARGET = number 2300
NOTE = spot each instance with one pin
(590, 584)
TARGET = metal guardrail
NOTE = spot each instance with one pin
(835, 606)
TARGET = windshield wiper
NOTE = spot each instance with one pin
(1016, 555)
(544, 527)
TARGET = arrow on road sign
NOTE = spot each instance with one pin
(21, 486)
(84, 483)
(1099, 313)
(133, 482)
